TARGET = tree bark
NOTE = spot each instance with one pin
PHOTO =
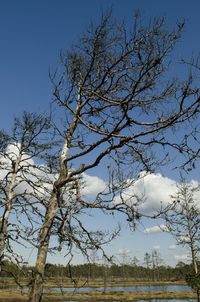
(3, 234)
(37, 286)
(38, 279)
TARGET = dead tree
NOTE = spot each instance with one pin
(19, 150)
(182, 219)
(120, 106)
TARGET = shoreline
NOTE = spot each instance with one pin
(21, 295)
(17, 296)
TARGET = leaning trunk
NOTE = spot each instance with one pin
(3, 235)
(37, 286)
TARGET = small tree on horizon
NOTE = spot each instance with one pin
(183, 222)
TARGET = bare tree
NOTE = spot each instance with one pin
(26, 144)
(120, 106)
(135, 261)
(183, 222)
(156, 262)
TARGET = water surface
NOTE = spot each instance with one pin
(141, 288)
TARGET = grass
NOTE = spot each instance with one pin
(108, 283)
(12, 295)
(7, 295)
(120, 296)
(66, 282)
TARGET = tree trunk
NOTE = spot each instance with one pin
(37, 286)
(8, 208)
(3, 234)
(38, 280)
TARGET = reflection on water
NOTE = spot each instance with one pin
(164, 300)
(150, 288)
(153, 300)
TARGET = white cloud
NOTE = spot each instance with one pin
(156, 229)
(156, 247)
(123, 252)
(151, 191)
(182, 257)
(184, 239)
(172, 247)
(92, 185)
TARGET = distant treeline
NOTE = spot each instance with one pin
(105, 272)
(93, 271)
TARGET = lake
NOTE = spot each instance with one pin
(142, 288)
(66, 291)
(153, 300)
(163, 288)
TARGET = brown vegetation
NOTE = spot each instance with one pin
(8, 295)
(16, 296)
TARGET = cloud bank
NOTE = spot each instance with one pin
(151, 191)
(147, 193)
(182, 257)
(91, 185)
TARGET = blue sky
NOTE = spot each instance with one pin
(32, 35)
